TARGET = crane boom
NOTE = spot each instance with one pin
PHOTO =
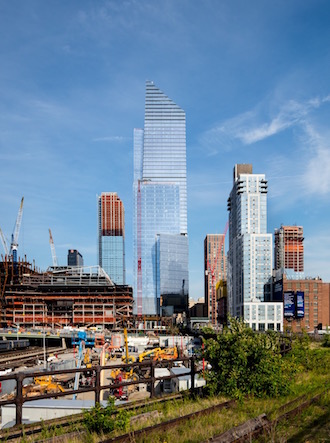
(52, 247)
(18, 222)
(14, 237)
(139, 249)
(3, 239)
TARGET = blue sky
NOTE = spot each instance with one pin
(253, 78)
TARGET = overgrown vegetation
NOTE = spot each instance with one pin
(245, 362)
(245, 365)
(326, 339)
(103, 419)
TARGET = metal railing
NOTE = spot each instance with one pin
(96, 387)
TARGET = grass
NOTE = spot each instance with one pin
(311, 426)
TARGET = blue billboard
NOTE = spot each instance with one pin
(300, 304)
(289, 304)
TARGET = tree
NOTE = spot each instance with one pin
(246, 362)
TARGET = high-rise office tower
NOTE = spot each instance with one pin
(214, 263)
(75, 258)
(160, 206)
(250, 252)
(289, 251)
(111, 236)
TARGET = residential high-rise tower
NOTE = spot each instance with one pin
(111, 236)
(289, 251)
(250, 252)
(214, 262)
(160, 206)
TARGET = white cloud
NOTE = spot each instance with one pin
(317, 171)
(246, 127)
(290, 114)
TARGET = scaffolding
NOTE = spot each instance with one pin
(62, 296)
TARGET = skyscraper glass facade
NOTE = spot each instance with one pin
(75, 258)
(160, 195)
(111, 236)
(172, 272)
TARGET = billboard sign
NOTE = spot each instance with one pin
(300, 304)
(289, 304)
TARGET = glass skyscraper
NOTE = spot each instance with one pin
(111, 236)
(250, 252)
(160, 203)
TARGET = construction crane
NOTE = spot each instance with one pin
(14, 237)
(15, 234)
(4, 243)
(139, 255)
(52, 247)
(211, 272)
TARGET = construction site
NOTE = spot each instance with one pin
(61, 296)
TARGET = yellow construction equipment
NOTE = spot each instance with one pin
(149, 354)
(87, 359)
(127, 358)
(47, 384)
(158, 354)
(166, 354)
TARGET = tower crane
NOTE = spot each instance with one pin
(15, 234)
(211, 272)
(52, 247)
(139, 255)
(4, 243)
(14, 237)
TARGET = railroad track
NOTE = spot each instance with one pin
(257, 426)
(15, 434)
(18, 358)
(242, 433)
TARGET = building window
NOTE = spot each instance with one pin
(278, 326)
(261, 326)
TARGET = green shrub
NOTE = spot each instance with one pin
(103, 419)
(326, 339)
(245, 362)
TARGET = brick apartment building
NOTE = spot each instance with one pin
(317, 304)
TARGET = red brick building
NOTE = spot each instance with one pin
(317, 304)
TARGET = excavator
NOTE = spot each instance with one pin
(166, 354)
(149, 355)
(158, 354)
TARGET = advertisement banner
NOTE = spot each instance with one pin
(289, 304)
(300, 304)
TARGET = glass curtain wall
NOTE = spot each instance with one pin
(159, 188)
